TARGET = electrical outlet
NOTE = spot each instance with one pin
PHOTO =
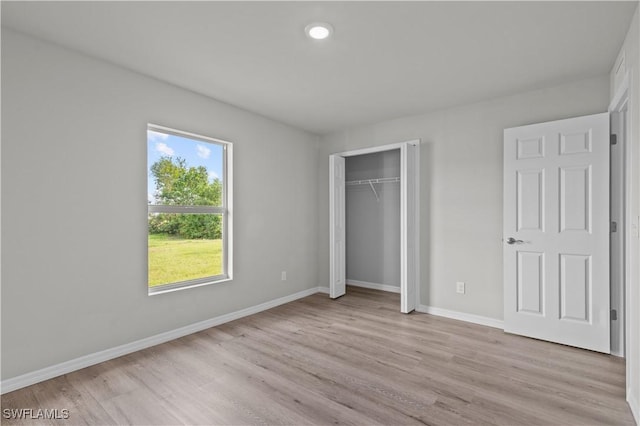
(284, 275)
(460, 287)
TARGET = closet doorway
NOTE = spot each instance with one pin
(380, 237)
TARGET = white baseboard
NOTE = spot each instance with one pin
(47, 373)
(634, 404)
(476, 319)
(374, 286)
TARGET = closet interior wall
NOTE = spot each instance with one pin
(373, 219)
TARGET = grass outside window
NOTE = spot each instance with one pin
(173, 259)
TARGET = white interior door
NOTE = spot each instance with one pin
(337, 238)
(556, 231)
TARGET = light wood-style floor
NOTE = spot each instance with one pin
(355, 360)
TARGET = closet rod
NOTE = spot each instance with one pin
(372, 181)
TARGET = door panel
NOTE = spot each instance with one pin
(409, 224)
(337, 207)
(575, 286)
(556, 212)
(575, 194)
(530, 187)
(530, 282)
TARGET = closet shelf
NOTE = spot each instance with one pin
(371, 181)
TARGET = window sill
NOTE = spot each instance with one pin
(169, 288)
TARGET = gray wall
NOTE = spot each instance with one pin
(461, 186)
(75, 206)
(373, 227)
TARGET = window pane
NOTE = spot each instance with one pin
(183, 171)
(184, 247)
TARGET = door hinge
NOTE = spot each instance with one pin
(613, 139)
(614, 315)
(614, 226)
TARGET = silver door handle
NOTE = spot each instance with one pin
(512, 240)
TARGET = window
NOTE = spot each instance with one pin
(189, 199)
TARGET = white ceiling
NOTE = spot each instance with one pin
(385, 59)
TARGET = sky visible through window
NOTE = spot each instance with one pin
(194, 152)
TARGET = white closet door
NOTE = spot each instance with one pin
(337, 238)
(409, 230)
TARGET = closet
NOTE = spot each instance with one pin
(379, 229)
(372, 200)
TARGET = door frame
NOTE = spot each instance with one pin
(619, 106)
(409, 218)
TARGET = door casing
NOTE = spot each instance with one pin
(621, 126)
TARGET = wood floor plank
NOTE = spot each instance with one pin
(355, 361)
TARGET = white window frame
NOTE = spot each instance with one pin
(225, 210)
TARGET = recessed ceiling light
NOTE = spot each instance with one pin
(318, 30)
